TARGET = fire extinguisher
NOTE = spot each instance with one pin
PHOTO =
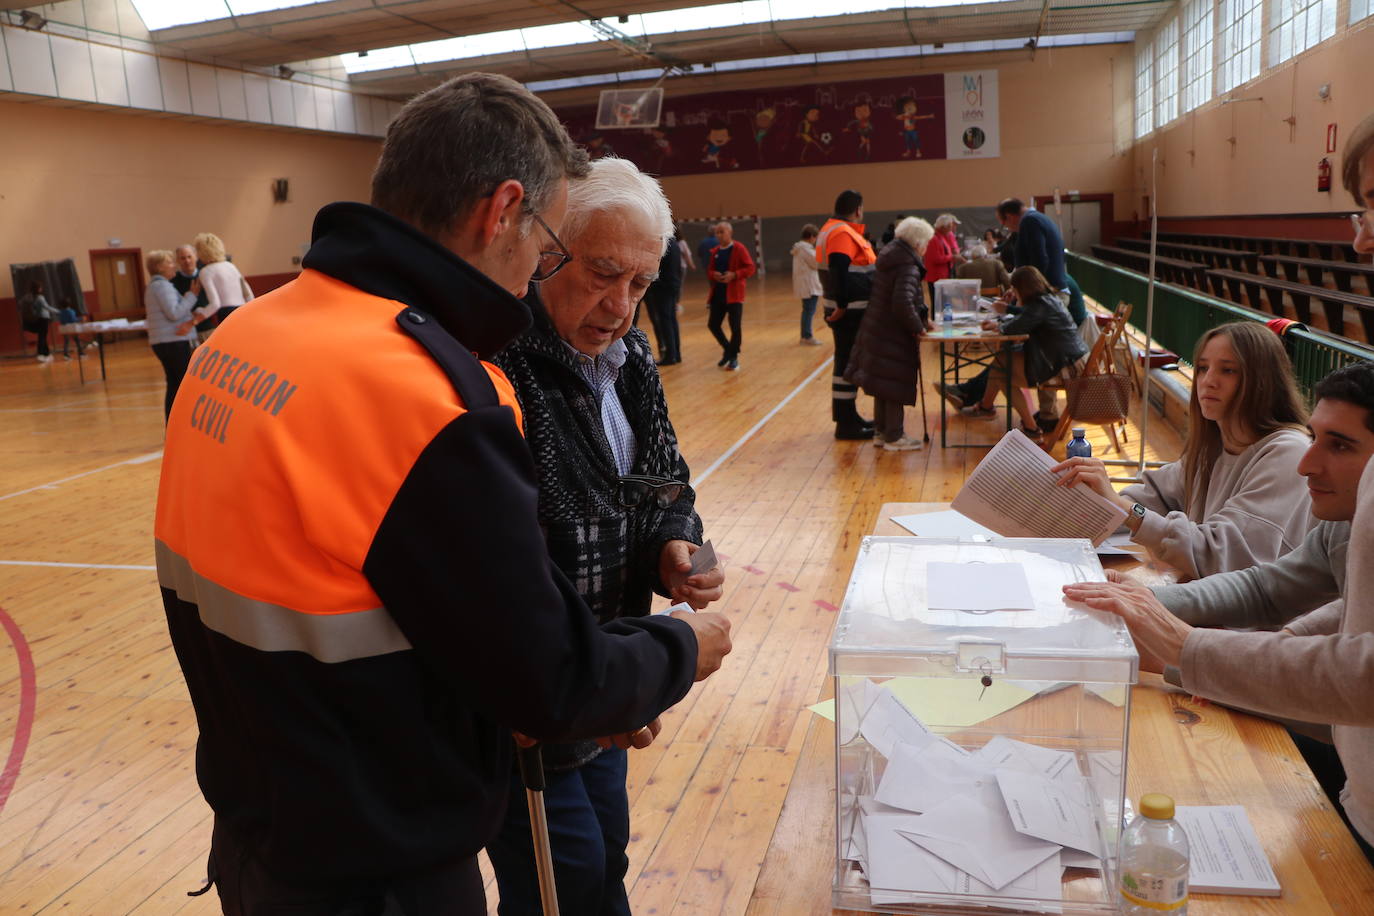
(1324, 175)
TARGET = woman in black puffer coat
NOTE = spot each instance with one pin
(886, 360)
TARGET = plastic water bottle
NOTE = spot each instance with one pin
(1078, 447)
(947, 314)
(1154, 861)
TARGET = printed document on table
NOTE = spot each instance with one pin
(1224, 853)
(1013, 492)
(945, 524)
(977, 587)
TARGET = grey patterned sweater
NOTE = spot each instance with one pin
(609, 552)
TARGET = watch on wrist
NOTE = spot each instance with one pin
(1136, 516)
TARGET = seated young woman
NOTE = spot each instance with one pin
(1234, 498)
(1054, 344)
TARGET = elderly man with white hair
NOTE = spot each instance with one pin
(614, 502)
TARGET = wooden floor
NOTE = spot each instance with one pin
(99, 809)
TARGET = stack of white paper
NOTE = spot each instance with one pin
(1003, 820)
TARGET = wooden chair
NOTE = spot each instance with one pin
(1102, 360)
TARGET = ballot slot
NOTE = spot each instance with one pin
(981, 736)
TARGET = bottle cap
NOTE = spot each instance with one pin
(1078, 432)
(1157, 806)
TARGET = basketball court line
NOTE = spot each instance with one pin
(75, 565)
(739, 443)
(138, 459)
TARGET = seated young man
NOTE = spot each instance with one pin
(1312, 670)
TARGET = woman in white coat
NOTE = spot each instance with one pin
(806, 280)
(225, 287)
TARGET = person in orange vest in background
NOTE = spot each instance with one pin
(360, 596)
(845, 260)
(728, 265)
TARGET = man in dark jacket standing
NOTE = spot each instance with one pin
(661, 303)
(614, 504)
(360, 595)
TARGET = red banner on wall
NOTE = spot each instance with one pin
(883, 120)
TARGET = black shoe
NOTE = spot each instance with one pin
(723, 361)
(854, 433)
(733, 364)
(1046, 424)
(667, 362)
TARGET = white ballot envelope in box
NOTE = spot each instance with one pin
(981, 725)
(962, 295)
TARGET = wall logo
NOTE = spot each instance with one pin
(973, 90)
(974, 138)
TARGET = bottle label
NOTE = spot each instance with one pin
(1155, 892)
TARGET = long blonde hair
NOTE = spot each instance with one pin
(1266, 401)
(208, 247)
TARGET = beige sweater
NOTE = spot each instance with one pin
(1256, 509)
(1323, 672)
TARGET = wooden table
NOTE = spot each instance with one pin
(954, 343)
(1197, 753)
(99, 329)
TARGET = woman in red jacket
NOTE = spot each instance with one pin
(942, 255)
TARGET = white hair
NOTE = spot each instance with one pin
(943, 221)
(978, 251)
(617, 185)
(916, 232)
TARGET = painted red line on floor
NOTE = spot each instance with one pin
(788, 587)
(825, 605)
(28, 700)
(753, 569)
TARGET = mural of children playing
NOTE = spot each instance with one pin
(910, 135)
(862, 125)
(717, 138)
(763, 123)
(811, 135)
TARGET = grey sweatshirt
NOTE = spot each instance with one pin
(1321, 671)
(1256, 509)
(1267, 596)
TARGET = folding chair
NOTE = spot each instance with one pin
(1106, 403)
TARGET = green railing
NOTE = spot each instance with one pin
(1183, 315)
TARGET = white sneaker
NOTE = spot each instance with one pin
(904, 444)
(44, 360)
(811, 341)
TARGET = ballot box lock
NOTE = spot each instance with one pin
(981, 658)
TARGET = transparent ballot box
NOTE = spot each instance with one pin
(962, 295)
(980, 730)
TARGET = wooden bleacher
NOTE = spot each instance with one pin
(1170, 270)
(1235, 285)
(1342, 273)
(1229, 258)
(1325, 249)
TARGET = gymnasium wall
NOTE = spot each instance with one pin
(75, 179)
(1065, 121)
(1265, 183)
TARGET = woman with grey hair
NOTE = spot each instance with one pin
(171, 321)
(886, 360)
(942, 256)
(618, 515)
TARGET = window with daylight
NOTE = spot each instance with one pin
(1197, 53)
(1144, 90)
(1166, 73)
(1296, 25)
(1360, 9)
(1238, 42)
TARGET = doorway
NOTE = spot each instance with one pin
(118, 276)
(1081, 225)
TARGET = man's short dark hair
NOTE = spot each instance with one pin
(453, 145)
(1010, 207)
(848, 203)
(1353, 384)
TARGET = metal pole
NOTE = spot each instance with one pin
(1149, 307)
(532, 775)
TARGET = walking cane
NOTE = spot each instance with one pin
(532, 775)
(920, 386)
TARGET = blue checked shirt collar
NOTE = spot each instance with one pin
(601, 373)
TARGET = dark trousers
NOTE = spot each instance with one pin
(808, 313)
(735, 311)
(663, 316)
(246, 888)
(889, 418)
(842, 393)
(589, 827)
(175, 357)
(39, 326)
